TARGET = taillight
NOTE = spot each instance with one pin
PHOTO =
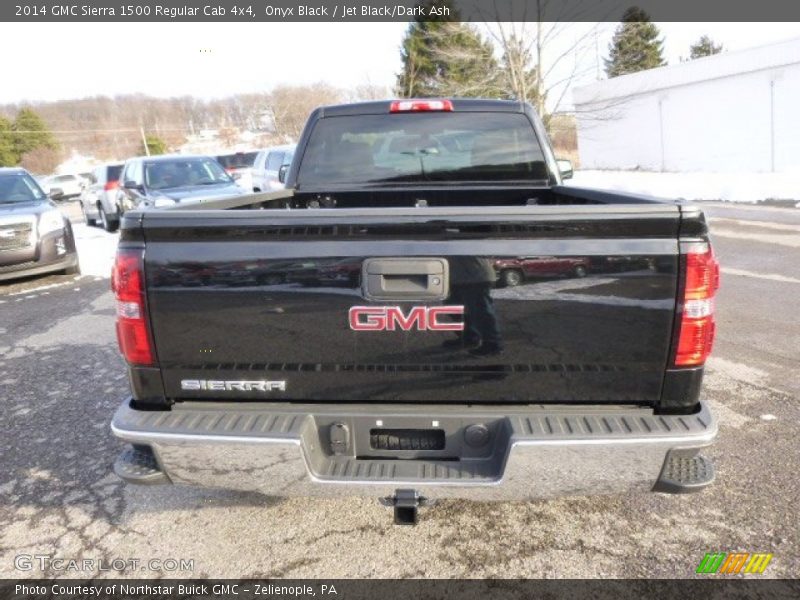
(696, 336)
(420, 105)
(127, 283)
(111, 185)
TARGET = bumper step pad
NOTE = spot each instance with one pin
(137, 464)
(684, 474)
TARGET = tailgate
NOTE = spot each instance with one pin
(528, 304)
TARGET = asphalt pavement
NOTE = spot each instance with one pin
(61, 378)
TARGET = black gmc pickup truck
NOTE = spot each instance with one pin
(349, 335)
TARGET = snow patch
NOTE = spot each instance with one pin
(731, 187)
(96, 249)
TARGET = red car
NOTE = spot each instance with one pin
(513, 271)
(345, 272)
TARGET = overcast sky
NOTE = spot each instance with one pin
(218, 59)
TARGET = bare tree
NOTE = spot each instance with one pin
(228, 136)
(541, 58)
(291, 105)
(369, 91)
(42, 160)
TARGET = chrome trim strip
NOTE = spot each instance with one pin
(141, 436)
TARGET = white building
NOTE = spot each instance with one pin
(732, 112)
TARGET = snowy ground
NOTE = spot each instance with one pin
(731, 187)
(96, 249)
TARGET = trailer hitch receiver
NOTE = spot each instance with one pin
(406, 505)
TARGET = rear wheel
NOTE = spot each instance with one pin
(580, 271)
(86, 218)
(73, 270)
(107, 223)
(511, 278)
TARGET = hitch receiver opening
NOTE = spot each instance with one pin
(406, 505)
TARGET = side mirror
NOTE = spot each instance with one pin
(282, 173)
(132, 185)
(565, 168)
(55, 193)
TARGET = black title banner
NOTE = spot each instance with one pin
(350, 589)
(393, 10)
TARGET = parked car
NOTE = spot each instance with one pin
(70, 186)
(35, 237)
(163, 181)
(99, 197)
(239, 166)
(344, 272)
(270, 167)
(514, 271)
(304, 272)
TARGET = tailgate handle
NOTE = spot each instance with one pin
(405, 278)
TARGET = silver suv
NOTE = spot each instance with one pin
(269, 169)
(99, 197)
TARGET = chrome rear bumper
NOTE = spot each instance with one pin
(532, 452)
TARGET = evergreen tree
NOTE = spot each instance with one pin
(635, 46)
(8, 154)
(705, 46)
(30, 133)
(446, 57)
(155, 145)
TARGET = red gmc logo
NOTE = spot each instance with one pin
(392, 318)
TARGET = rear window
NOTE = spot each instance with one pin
(240, 160)
(113, 172)
(419, 147)
(274, 161)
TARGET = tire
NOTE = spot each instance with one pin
(86, 219)
(511, 278)
(107, 223)
(74, 270)
(580, 271)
